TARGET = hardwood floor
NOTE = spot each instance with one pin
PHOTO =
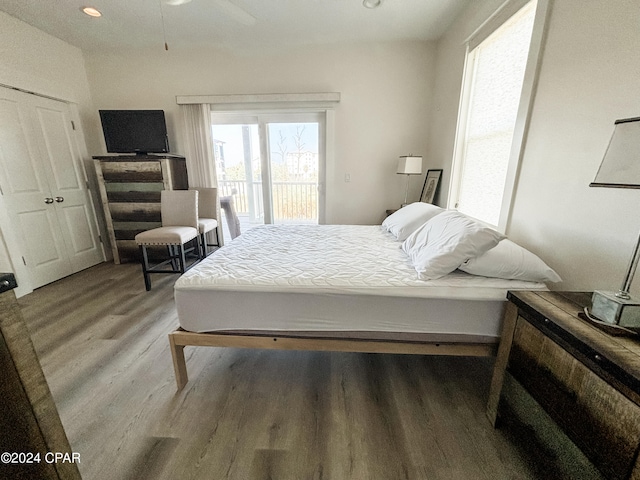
(251, 414)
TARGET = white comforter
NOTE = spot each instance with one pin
(331, 259)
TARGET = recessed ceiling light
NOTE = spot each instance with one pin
(92, 12)
(371, 3)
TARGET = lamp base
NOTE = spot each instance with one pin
(615, 310)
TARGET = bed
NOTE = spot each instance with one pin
(337, 288)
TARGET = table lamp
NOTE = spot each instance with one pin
(409, 165)
(620, 168)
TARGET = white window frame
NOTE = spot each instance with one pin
(322, 104)
(523, 117)
(262, 120)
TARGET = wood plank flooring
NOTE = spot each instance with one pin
(252, 414)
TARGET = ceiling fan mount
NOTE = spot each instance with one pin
(232, 10)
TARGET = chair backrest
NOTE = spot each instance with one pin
(226, 203)
(179, 208)
(207, 199)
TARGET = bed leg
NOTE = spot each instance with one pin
(179, 364)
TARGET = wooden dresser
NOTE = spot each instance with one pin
(587, 381)
(130, 187)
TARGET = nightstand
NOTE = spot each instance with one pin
(585, 380)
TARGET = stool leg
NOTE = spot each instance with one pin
(205, 254)
(173, 256)
(145, 267)
(182, 260)
(200, 247)
(203, 244)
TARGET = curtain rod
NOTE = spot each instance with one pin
(331, 97)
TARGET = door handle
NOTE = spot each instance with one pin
(59, 199)
(48, 200)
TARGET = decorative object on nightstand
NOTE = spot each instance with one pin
(409, 165)
(431, 183)
(620, 168)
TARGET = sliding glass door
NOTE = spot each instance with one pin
(272, 165)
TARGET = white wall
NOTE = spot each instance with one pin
(384, 111)
(38, 62)
(589, 76)
(35, 61)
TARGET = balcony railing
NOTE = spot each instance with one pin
(291, 200)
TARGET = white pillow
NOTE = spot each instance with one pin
(511, 261)
(446, 241)
(406, 220)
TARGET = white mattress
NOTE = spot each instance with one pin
(333, 278)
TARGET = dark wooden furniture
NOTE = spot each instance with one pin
(587, 381)
(29, 423)
(130, 187)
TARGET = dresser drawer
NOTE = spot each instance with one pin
(132, 171)
(601, 421)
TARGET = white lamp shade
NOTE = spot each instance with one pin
(410, 165)
(621, 163)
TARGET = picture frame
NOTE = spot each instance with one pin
(431, 184)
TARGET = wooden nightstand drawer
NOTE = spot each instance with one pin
(600, 420)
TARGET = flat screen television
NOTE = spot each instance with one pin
(134, 131)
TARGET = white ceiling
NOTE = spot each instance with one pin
(234, 24)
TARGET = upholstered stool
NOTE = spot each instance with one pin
(207, 218)
(179, 226)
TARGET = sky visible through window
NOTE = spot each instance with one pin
(231, 135)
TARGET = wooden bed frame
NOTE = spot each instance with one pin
(182, 338)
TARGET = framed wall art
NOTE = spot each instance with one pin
(431, 183)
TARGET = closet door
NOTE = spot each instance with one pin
(40, 182)
(26, 194)
(67, 184)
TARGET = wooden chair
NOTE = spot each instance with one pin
(179, 210)
(207, 218)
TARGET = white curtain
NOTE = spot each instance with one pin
(198, 148)
(198, 145)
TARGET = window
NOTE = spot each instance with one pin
(275, 147)
(270, 163)
(491, 106)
